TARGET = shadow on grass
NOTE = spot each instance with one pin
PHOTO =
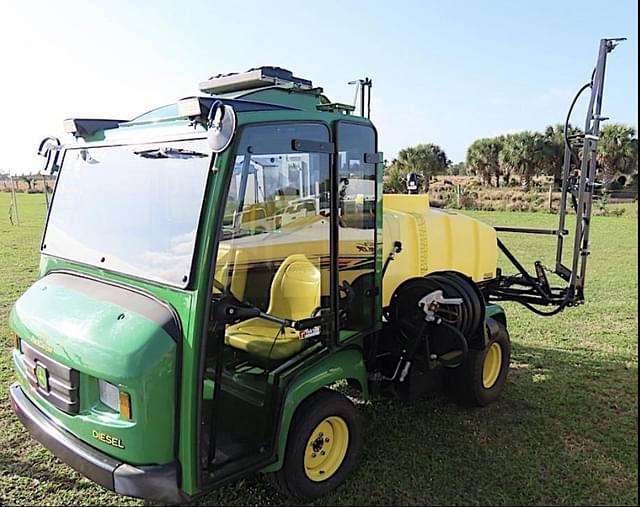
(30, 473)
(564, 432)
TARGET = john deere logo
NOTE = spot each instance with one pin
(42, 376)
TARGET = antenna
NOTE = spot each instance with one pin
(364, 85)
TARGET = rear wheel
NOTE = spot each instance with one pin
(480, 379)
(323, 447)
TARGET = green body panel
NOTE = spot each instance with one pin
(339, 365)
(132, 353)
(189, 423)
(494, 310)
(183, 302)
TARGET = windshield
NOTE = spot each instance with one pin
(132, 209)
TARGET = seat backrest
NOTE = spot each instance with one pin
(295, 289)
(239, 261)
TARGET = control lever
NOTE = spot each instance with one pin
(228, 310)
(302, 324)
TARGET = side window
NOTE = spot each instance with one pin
(277, 210)
(357, 225)
(270, 190)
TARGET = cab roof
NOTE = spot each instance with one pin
(258, 89)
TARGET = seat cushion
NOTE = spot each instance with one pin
(264, 339)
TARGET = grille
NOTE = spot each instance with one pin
(63, 382)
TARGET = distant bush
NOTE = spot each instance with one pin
(468, 201)
(467, 192)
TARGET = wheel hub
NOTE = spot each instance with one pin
(326, 449)
(492, 365)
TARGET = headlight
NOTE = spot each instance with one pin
(115, 399)
(109, 395)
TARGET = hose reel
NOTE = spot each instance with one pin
(436, 318)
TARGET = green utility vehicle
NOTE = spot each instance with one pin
(211, 268)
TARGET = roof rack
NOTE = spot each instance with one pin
(336, 107)
(258, 77)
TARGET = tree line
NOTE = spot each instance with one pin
(520, 157)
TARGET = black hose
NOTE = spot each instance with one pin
(566, 123)
(461, 338)
(532, 308)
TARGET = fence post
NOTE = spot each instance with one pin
(550, 201)
(46, 194)
(458, 192)
(14, 201)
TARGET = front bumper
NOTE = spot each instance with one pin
(150, 482)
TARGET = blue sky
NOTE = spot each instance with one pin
(443, 72)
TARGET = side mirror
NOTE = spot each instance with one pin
(221, 126)
(49, 148)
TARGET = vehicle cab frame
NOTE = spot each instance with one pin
(331, 144)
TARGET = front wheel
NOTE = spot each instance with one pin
(481, 378)
(323, 447)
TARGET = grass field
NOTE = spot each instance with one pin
(564, 432)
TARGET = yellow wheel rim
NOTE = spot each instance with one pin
(326, 449)
(492, 365)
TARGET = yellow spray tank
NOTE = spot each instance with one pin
(434, 240)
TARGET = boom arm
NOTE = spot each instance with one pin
(531, 290)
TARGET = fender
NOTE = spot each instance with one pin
(496, 312)
(346, 364)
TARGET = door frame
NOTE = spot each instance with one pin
(335, 231)
(226, 168)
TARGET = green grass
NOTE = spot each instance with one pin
(629, 209)
(564, 432)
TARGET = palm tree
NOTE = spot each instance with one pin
(394, 178)
(523, 154)
(483, 158)
(617, 151)
(553, 154)
(427, 160)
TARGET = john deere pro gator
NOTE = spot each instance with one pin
(211, 268)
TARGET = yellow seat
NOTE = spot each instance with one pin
(231, 268)
(295, 294)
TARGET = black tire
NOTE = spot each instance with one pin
(465, 383)
(292, 479)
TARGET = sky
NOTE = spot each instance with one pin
(445, 72)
